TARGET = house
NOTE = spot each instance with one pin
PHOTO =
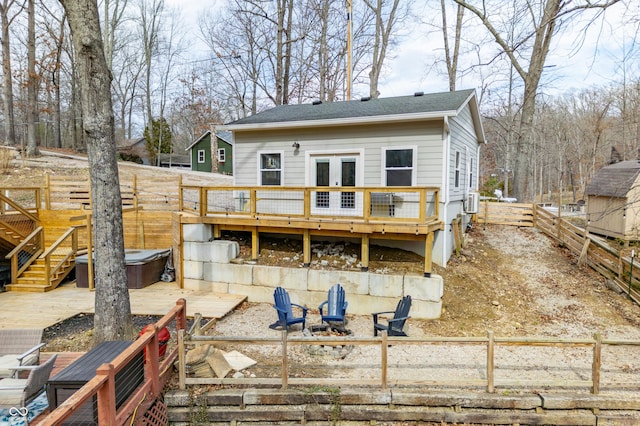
(134, 150)
(424, 140)
(202, 159)
(613, 201)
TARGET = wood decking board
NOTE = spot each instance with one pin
(41, 310)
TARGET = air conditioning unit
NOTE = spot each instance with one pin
(472, 203)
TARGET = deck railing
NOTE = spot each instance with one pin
(102, 388)
(25, 253)
(396, 204)
(60, 253)
(483, 366)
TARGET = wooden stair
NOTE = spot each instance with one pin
(34, 278)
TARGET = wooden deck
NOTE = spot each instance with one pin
(41, 310)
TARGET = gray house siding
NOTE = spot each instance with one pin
(372, 140)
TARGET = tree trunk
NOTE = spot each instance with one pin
(9, 116)
(112, 319)
(32, 83)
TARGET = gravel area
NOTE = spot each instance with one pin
(512, 281)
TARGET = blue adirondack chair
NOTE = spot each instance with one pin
(284, 308)
(396, 324)
(336, 305)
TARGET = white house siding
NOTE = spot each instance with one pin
(426, 136)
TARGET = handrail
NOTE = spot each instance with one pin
(16, 268)
(102, 386)
(19, 208)
(489, 342)
(52, 271)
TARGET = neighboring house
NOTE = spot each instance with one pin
(224, 152)
(613, 201)
(425, 140)
(132, 148)
(212, 157)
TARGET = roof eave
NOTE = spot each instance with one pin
(392, 118)
(198, 140)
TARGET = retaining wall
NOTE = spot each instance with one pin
(207, 267)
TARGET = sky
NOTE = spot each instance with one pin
(409, 67)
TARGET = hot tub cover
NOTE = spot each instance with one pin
(134, 257)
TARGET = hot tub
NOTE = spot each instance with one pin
(144, 267)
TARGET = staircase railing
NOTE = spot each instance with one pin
(15, 218)
(65, 249)
(26, 252)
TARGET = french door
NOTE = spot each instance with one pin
(338, 170)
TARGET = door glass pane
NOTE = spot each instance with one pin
(322, 173)
(322, 179)
(349, 172)
(348, 199)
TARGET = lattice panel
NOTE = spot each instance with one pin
(156, 415)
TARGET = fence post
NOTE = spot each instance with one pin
(182, 374)
(285, 364)
(384, 364)
(490, 362)
(107, 395)
(595, 368)
(152, 362)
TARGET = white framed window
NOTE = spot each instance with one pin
(456, 179)
(201, 158)
(399, 166)
(270, 164)
(221, 155)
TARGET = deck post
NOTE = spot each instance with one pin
(106, 395)
(365, 252)
(428, 255)
(306, 248)
(255, 244)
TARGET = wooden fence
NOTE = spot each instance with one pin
(418, 374)
(591, 249)
(515, 214)
(101, 389)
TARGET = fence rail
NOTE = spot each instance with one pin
(593, 251)
(102, 388)
(514, 214)
(589, 376)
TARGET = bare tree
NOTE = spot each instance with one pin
(112, 304)
(451, 55)
(388, 15)
(6, 6)
(527, 54)
(150, 22)
(32, 82)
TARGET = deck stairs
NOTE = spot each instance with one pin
(38, 262)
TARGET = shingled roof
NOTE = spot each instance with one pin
(614, 180)
(436, 104)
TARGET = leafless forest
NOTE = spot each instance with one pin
(256, 54)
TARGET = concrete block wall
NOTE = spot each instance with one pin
(206, 267)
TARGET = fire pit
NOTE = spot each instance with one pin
(329, 330)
